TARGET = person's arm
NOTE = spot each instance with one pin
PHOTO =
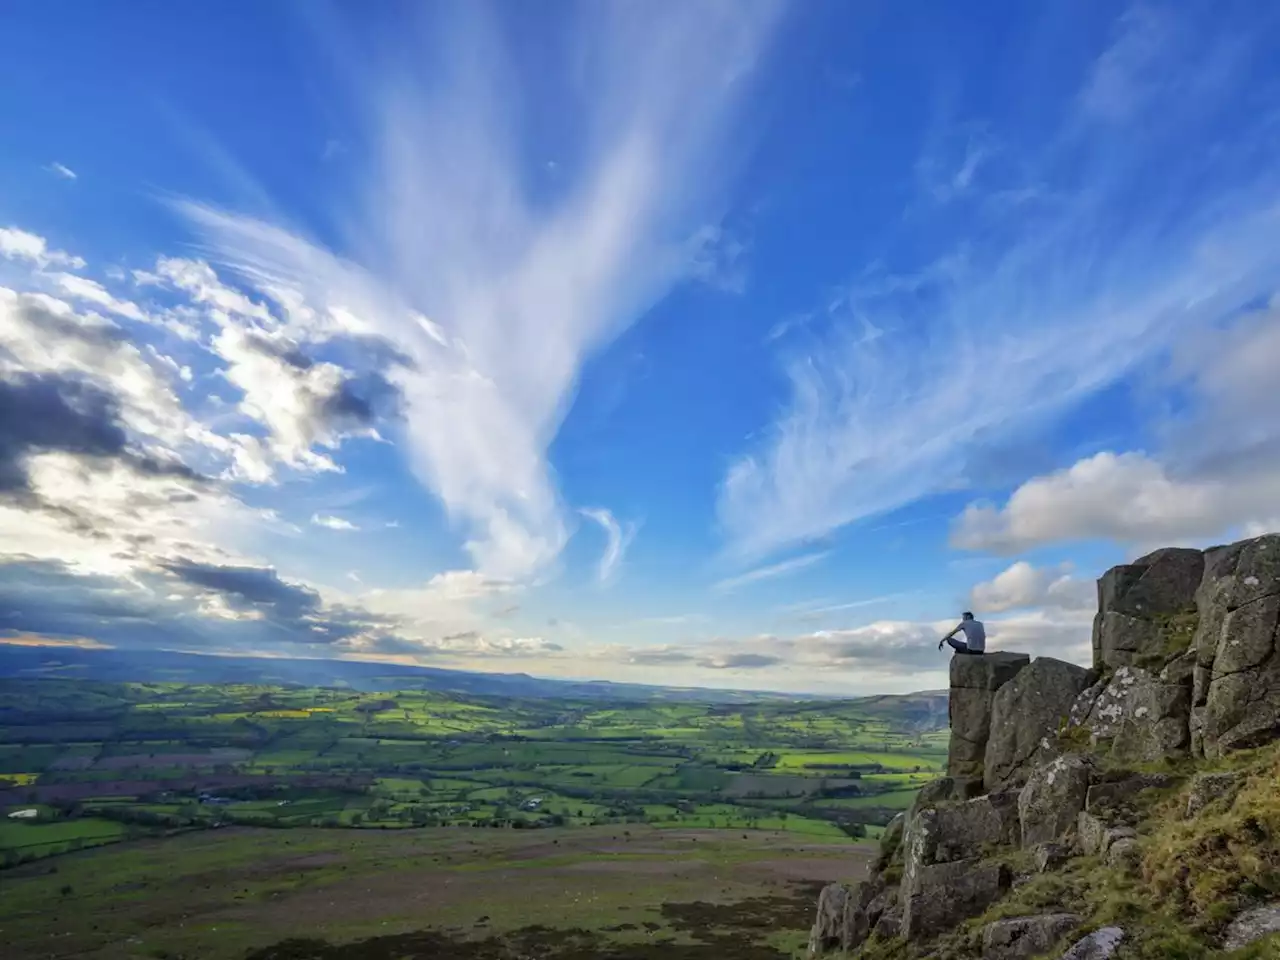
(954, 631)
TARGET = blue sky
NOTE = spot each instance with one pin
(732, 344)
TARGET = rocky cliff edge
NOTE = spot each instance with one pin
(1127, 810)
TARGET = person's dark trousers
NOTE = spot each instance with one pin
(959, 646)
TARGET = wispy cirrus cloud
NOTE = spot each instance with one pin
(63, 171)
(618, 539)
(497, 296)
(770, 572)
(1039, 304)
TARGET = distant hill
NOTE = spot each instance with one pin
(143, 666)
(924, 711)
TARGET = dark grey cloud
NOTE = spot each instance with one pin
(49, 598)
(247, 586)
(47, 412)
(289, 612)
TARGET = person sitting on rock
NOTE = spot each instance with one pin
(975, 636)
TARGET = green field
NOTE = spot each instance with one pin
(100, 762)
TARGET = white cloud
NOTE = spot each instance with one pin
(618, 539)
(1127, 497)
(521, 291)
(63, 171)
(90, 291)
(781, 569)
(925, 371)
(201, 283)
(333, 523)
(302, 403)
(111, 518)
(1023, 585)
(17, 244)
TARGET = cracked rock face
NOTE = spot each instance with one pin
(974, 683)
(1236, 685)
(1138, 607)
(1136, 717)
(1026, 714)
(1052, 798)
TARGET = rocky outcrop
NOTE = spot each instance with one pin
(974, 683)
(1236, 683)
(1251, 926)
(1026, 714)
(1020, 937)
(1052, 799)
(1042, 759)
(1139, 609)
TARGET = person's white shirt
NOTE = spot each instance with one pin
(975, 634)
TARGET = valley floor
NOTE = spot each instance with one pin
(434, 892)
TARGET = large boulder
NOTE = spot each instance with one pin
(1251, 926)
(1018, 937)
(1134, 717)
(948, 832)
(1099, 945)
(1052, 799)
(1146, 609)
(1026, 715)
(945, 894)
(974, 683)
(828, 932)
(1236, 683)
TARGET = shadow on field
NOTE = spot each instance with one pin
(718, 930)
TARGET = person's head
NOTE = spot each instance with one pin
(966, 615)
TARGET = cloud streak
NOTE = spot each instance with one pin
(618, 539)
(497, 296)
(1039, 305)
(770, 572)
